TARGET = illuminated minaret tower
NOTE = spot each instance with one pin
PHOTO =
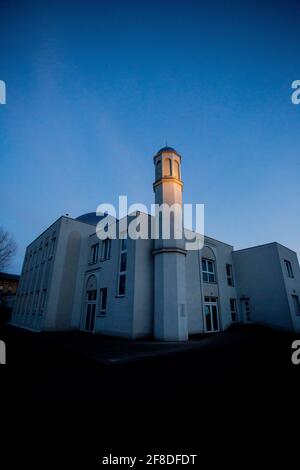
(170, 313)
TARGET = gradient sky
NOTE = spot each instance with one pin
(95, 88)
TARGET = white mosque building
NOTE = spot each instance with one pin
(129, 288)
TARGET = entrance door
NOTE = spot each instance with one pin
(245, 303)
(211, 315)
(89, 323)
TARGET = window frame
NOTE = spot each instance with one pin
(94, 254)
(45, 250)
(230, 279)
(206, 272)
(102, 310)
(123, 273)
(106, 249)
(289, 269)
(52, 246)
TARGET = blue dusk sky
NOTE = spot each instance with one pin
(95, 88)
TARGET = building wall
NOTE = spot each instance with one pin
(64, 274)
(57, 266)
(194, 296)
(143, 312)
(118, 320)
(260, 277)
(221, 254)
(81, 279)
(292, 284)
(44, 299)
(33, 293)
(225, 291)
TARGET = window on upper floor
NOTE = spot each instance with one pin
(45, 251)
(229, 274)
(289, 268)
(208, 270)
(52, 246)
(40, 253)
(122, 268)
(94, 253)
(106, 248)
(33, 258)
(43, 300)
(233, 310)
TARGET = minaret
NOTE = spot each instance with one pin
(170, 313)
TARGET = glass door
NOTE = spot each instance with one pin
(211, 317)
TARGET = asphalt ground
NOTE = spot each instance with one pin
(68, 399)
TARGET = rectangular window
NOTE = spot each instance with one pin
(122, 282)
(208, 270)
(124, 244)
(43, 301)
(123, 268)
(210, 299)
(36, 302)
(106, 246)
(40, 254)
(52, 247)
(45, 251)
(289, 269)
(94, 253)
(91, 295)
(296, 304)
(233, 310)
(229, 274)
(103, 300)
(123, 262)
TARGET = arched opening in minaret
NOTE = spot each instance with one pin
(167, 167)
(158, 170)
(176, 169)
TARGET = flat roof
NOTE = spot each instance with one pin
(263, 245)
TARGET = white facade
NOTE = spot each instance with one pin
(152, 288)
(268, 286)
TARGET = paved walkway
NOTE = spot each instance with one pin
(110, 350)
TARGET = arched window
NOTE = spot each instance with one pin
(91, 283)
(158, 170)
(176, 169)
(168, 167)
